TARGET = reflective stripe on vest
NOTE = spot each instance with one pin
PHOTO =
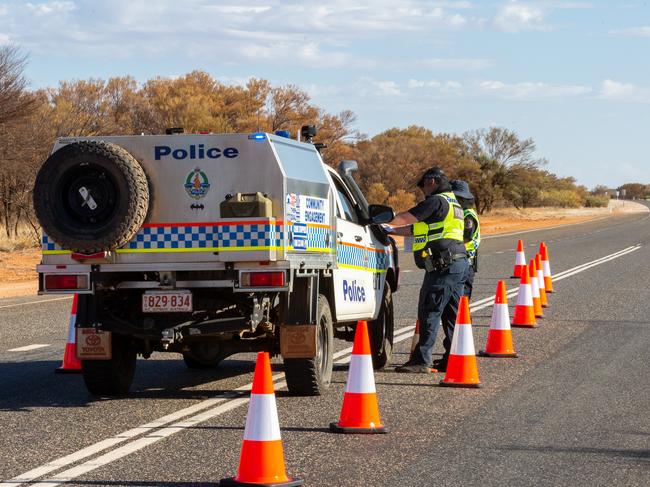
(473, 244)
(451, 227)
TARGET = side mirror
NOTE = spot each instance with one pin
(380, 213)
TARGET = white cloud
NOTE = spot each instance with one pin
(49, 8)
(628, 92)
(388, 88)
(436, 87)
(4, 39)
(632, 32)
(3, 10)
(534, 90)
(515, 17)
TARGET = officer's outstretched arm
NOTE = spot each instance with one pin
(402, 219)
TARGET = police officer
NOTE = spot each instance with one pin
(437, 225)
(472, 233)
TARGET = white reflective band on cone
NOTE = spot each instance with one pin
(262, 420)
(546, 267)
(525, 295)
(540, 279)
(463, 341)
(72, 336)
(520, 259)
(534, 286)
(500, 317)
(361, 377)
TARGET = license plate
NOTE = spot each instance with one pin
(167, 302)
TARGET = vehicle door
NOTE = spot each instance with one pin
(353, 281)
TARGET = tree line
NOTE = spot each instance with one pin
(500, 167)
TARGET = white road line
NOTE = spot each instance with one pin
(27, 348)
(34, 302)
(229, 404)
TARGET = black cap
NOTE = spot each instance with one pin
(431, 173)
(461, 189)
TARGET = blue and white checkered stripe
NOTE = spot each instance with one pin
(349, 255)
(48, 244)
(197, 237)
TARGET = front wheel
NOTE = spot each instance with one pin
(381, 331)
(111, 377)
(312, 377)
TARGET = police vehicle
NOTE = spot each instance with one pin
(210, 245)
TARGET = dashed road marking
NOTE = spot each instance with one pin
(27, 348)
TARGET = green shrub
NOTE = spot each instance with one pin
(562, 198)
(594, 201)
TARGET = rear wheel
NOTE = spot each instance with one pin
(312, 377)
(111, 377)
(381, 331)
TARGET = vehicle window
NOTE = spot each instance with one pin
(348, 207)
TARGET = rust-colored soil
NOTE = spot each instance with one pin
(18, 272)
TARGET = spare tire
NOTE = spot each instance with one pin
(91, 196)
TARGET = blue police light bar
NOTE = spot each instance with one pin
(283, 133)
(257, 136)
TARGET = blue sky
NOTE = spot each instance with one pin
(572, 75)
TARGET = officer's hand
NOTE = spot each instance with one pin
(387, 228)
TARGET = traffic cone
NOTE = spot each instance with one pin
(524, 311)
(262, 460)
(462, 370)
(520, 260)
(416, 337)
(71, 364)
(540, 279)
(546, 267)
(360, 410)
(499, 339)
(534, 285)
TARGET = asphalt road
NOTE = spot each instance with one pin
(573, 409)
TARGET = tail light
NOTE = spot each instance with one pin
(67, 282)
(262, 279)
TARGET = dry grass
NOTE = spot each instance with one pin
(24, 241)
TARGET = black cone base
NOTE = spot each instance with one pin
(482, 353)
(365, 431)
(61, 370)
(458, 384)
(231, 482)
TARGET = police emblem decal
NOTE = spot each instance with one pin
(197, 184)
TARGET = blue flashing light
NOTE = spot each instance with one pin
(257, 136)
(283, 133)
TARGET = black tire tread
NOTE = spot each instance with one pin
(138, 198)
(302, 375)
(107, 377)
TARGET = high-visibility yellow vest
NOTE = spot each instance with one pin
(451, 227)
(472, 245)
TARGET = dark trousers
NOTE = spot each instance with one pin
(469, 282)
(439, 297)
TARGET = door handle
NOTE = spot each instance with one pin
(358, 238)
(339, 234)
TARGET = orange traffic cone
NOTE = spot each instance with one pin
(462, 370)
(534, 285)
(416, 337)
(546, 267)
(262, 460)
(520, 260)
(360, 411)
(499, 339)
(540, 279)
(71, 364)
(524, 311)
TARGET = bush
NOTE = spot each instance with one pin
(593, 201)
(562, 198)
(401, 200)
